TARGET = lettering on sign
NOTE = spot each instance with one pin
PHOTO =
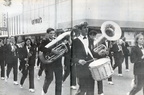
(3, 28)
(36, 21)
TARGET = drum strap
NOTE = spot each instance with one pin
(86, 46)
(90, 52)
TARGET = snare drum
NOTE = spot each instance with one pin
(101, 69)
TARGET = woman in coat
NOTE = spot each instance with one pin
(137, 57)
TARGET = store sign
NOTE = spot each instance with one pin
(36, 21)
(3, 28)
(4, 20)
(4, 25)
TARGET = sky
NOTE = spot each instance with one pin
(123, 10)
(14, 9)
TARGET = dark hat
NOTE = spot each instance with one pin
(82, 24)
(92, 32)
(49, 30)
(20, 39)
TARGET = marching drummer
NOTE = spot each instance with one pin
(80, 55)
(100, 54)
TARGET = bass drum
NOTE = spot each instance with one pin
(101, 69)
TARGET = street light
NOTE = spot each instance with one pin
(7, 3)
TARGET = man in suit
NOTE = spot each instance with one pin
(80, 55)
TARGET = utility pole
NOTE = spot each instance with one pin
(56, 14)
(7, 25)
(71, 13)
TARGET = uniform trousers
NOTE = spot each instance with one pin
(100, 87)
(70, 69)
(118, 63)
(126, 61)
(85, 80)
(73, 74)
(56, 68)
(38, 62)
(67, 65)
(25, 72)
(111, 59)
(12, 64)
(41, 69)
(2, 64)
(139, 84)
(86, 85)
(119, 68)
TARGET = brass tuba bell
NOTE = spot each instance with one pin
(59, 45)
(110, 31)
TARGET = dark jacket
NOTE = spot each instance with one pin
(23, 53)
(2, 53)
(10, 56)
(125, 49)
(42, 46)
(47, 52)
(118, 55)
(78, 52)
(33, 57)
(135, 58)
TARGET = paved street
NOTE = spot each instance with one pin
(121, 85)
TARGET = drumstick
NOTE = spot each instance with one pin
(91, 60)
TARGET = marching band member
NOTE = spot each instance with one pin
(41, 68)
(27, 57)
(67, 58)
(2, 64)
(38, 60)
(53, 67)
(7, 42)
(12, 59)
(100, 54)
(74, 34)
(126, 53)
(137, 57)
(118, 56)
(69, 67)
(80, 55)
(109, 46)
(20, 44)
